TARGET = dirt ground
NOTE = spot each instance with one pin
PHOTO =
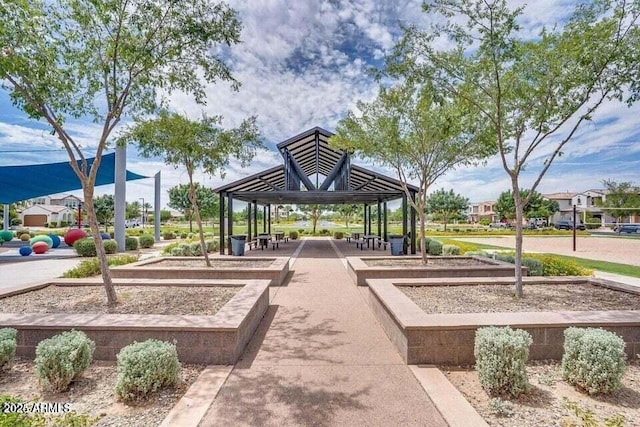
(215, 263)
(172, 300)
(93, 394)
(544, 404)
(612, 249)
(431, 262)
(500, 298)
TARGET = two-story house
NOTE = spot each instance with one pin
(50, 210)
(482, 210)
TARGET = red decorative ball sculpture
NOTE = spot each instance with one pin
(74, 234)
(40, 247)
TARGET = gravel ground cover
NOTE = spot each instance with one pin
(215, 263)
(432, 262)
(500, 298)
(93, 394)
(172, 300)
(544, 404)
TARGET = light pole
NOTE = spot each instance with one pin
(142, 198)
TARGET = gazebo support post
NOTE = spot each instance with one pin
(379, 220)
(249, 219)
(264, 219)
(386, 222)
(404, 221)
(230, 221)
(369, 218)
(221, 223)
(413, 225)
(255, 219)
(269, 219)
(364, 219)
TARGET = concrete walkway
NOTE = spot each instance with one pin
(320, 358)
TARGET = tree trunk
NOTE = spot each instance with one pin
(190, 217)
(112, 298)
(196, 212)
(445, 220)
(518, 258)
(423, 249)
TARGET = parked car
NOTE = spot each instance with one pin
(564, 224)
(629, 228)
(498, 225)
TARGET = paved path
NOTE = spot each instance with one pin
(320, 358)
(22, 273)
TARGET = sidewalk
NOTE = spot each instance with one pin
(320, 358)
(633, 281)
(22, 273)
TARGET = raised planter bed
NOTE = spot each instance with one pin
(274, 269)
(448, 339)
(203, 339)
(362, 268)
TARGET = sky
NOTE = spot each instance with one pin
(304, 64)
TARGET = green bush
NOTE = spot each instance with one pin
(110, 246)
(212, 246)
(435, 247)
(168, 235)
(146, 241)
(593, 360)
(130, 243)
(53, 224)
(91, 267)
(183, 235)
(62, 358)
(556, 266)
(501, 359)
(25, 237)
(191, 236)
(145, 367)
(464, 246)
(301, 230)
(293, 235)
(85, 247)
(450, 250)
(176, 251)
(185, 248)
(196, 249)
(505, 257)
(64, 224)
(167, 249)
(479, 253)
(324, 232)
(8, 345)
(16, 221)
(534, 267)
(338, 235)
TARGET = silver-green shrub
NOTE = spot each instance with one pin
(177, 251)
(196, 249)
(146, 241)
(8, 345)
(62, 358)
(450, 250)
(534, 267)
(593, 360)
(212, 245)
(130, 243)
(501, 359)
(145, 367)
(185, 248)
(110, 246)
(434, 247)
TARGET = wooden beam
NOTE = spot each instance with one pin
(334, 173)
(300, 173)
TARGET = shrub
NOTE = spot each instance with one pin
(479, 253)
(212, 245)
(535, 267)
(338, 235)
(8, 345)
(183, 235)
(176, 251)
(168, 235)
(185, 248)
(593, 360)
(130, 243)
(464, 246)
(191, 236)
(62, 358)
(553, 265)
(64, 224)
(293, 235)
(146, 241)
(145, 367)
(45, 225)
(16, 221)
(25, 237)
(301, 230)
(434, 248)
(450, 250)
(196, 249)
(53, 224)
(85, 247)
(91, 267)
(501, 359)
(209, 235)
(110, 246)
(324, 232)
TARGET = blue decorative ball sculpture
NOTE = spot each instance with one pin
(55, 239)
(25, 250)
(105, 236)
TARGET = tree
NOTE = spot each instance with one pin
(101, 60)
(207, 201)
(193, 145)
(622, 199)
(105, 210)
(314, 212)
(165, 215)
(446, 205)
(414, 130)
(536, 207)
(534, 92)
(132, 209)
(348, 213)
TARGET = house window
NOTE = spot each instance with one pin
(579, 201)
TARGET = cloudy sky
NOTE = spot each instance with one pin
(303, 64)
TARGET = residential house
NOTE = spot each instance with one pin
(586, 203)
(38, 215)
(65, 200)
(482, 210)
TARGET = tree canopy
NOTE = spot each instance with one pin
(446, 205)
(536, 207)
(622, 199)
(207, 201)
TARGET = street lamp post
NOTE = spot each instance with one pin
(142, 198)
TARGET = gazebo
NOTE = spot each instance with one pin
(307, 157)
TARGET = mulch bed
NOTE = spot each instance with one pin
(93, 394)
(544, 404)
(500, 298)
(171, 300)
(431, 262)
(215, 263)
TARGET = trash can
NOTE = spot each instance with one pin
(237, 244)
(397, 244)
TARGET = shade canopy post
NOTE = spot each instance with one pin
(222, 199)
(404, 221)
(229, 221)
(386, 222)
(413, 225)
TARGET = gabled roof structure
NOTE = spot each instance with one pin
(314, 173)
